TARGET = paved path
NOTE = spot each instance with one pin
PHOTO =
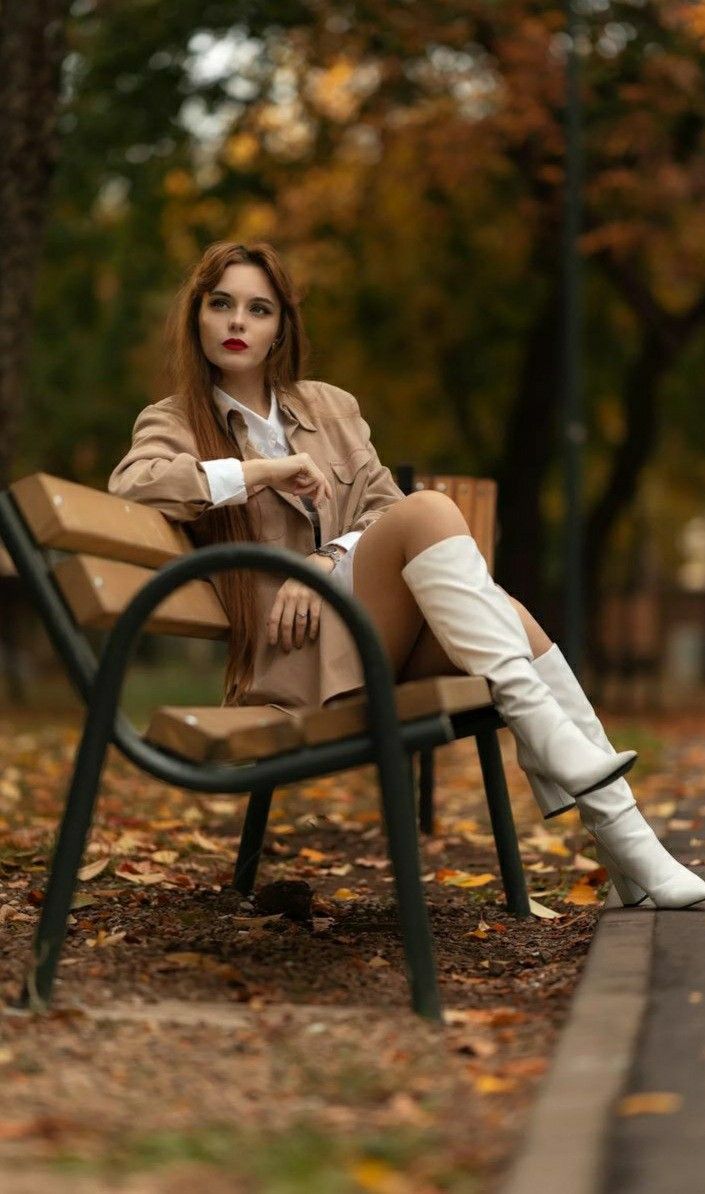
(665, 1151)
(622, 1110)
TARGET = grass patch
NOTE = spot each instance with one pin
(298, 1161)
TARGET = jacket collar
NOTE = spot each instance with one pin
(296, 409)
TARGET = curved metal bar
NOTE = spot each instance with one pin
(205, 561)
(390, 757)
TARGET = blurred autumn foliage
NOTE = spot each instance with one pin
(408, 160)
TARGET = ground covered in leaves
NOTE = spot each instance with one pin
(266, 1044)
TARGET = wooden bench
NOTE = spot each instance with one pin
(92, 560)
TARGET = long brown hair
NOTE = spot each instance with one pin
(195, 376)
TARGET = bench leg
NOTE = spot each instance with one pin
(503, 827)
(70, 846)
(426, 786)
(251, 840)
(399, 809)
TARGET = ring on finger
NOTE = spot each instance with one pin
(302, 616)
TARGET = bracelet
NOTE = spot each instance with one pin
(332, 551)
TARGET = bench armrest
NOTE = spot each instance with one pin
(379, 681)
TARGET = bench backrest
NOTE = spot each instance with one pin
(476, 498)
(114, 545)
(103, 548)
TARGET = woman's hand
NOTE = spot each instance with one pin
(296, 611)
(292, 474)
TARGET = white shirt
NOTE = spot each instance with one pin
(225, 477)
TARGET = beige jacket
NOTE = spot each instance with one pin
(162, 469)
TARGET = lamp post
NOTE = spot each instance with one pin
(571, 371)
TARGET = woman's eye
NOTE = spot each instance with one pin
(259, 310)
(218, 303)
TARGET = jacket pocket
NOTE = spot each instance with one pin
(348, 469)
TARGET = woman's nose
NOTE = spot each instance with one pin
(237, 319)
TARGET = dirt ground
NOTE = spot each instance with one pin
(267, 1044)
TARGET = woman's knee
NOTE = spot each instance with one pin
(428, 516)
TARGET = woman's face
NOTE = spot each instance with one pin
(238, 320)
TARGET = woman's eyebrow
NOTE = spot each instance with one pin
(254, 299)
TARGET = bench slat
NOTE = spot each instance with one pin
(71, 517)
(414, 699)
(218, 734)
(97, 592)
(248, 733)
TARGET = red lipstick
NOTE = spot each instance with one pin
(235, 345)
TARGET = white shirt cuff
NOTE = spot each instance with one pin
(226, 481)
(346, 541)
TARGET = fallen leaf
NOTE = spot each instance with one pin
(190, 960)
(377, 961)
(650, 1102)
(82, 899)
(542, 911)
(206, 843)
(582, 893)
(547, 843)
(313, 855)
(373, 1176)
(93, 869)
(135, 873)
(581, 863)
(103, 939)
(451, 878)
(255, 922)
(344, 893)
(493, 1084)
(377, 864)
(165, 857)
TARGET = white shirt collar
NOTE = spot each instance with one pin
(226, 403)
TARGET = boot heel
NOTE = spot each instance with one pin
(629, 892)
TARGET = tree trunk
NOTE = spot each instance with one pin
(31, 52)
(530, 447)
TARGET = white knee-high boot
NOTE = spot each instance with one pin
(638, 865)
(481, 633)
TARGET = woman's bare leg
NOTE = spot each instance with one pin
(406, 529)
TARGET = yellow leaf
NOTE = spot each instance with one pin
(650, 1102)
(582, 893)
(313, 855)
(493, 1084)
(542, 911)
(376, 1177)
(166, 857)
(344, 893)
(463, 879)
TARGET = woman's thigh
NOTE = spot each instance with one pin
(381, 554)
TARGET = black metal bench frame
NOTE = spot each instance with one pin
(389, 745)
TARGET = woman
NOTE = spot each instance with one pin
(245, 449)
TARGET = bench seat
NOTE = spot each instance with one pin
(247, 733)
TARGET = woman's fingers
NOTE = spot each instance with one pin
(314, 618)
(275, 619)
(290, 618)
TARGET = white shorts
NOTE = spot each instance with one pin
(342, 574)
